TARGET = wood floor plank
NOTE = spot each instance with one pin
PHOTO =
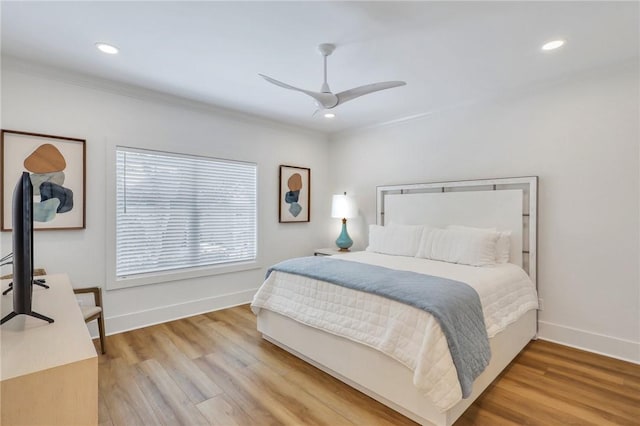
(500, 406)
(103, 412)
(227, 341)
(619, 405)
(243, 318)
(197, 386)
(120, 348)
(476, 416)
(620, 393)
(576, 368)
(259, 391)
(252, 406)
(192, 334)
(123, 397)
(550, 401)
(176, 400)
(185, 343)
(248, 347)
(615, 366)
(307, 407)
(155, 399)
(222, 411)
(216, 368)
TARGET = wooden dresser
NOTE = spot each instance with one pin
(48, 372)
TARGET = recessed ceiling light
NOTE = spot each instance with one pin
(107, 48)
(554, 44)
(329, 115)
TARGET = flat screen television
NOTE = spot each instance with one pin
(22, 220)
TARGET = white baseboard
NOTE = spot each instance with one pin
(134, 320)
(613, 347)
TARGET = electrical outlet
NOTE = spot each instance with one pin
(540, 304)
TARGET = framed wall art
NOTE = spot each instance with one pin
(57, 169)
(295, 194)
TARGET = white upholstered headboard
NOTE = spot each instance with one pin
(504, 204)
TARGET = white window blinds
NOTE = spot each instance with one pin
(176, 211)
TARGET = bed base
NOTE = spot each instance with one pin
(381, 377)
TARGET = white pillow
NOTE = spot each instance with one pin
(397, 240)
(376, 238)
(459, 245)
(503, 245)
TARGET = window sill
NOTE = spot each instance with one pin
(183, 274)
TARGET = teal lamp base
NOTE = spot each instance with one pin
(344, 241)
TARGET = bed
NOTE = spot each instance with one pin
(398, 354)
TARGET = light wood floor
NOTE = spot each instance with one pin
(216, 369)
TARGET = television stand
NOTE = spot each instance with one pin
(49, 372)
(31, 314)
(41, 282)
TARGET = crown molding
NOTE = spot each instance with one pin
(629, 64)
(19, 65)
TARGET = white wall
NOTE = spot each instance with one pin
(581, 138)
(34, 100)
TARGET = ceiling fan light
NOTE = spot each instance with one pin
(107, 48)
(552, 45)
(329, 115)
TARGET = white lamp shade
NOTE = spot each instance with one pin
(343, 206)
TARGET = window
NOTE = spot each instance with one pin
(177, 211)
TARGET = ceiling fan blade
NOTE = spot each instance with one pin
(356, 92)
(279, 83)
(326, 100)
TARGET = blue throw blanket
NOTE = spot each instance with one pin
(455, 305)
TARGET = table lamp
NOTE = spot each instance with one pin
(344, 207)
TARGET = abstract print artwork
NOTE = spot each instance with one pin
(295, 193)
(56, 166)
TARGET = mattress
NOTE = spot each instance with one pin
(409, 335)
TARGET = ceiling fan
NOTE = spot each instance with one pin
(327, 99)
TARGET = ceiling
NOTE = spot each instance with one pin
(449, 53)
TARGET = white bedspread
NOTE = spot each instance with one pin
(407, 334)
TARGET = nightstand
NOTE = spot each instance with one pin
(329, 251)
